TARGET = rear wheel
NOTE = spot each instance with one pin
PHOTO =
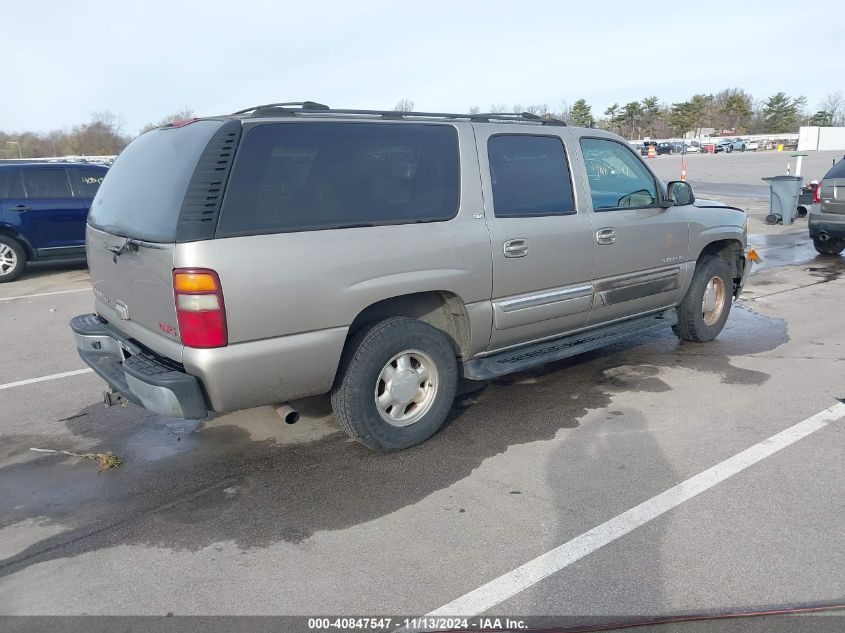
(743, 148)
(396, 384)
(831, 246)
(12, 259)
(707, 304)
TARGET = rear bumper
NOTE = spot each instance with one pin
(141, 376)
(817, 226)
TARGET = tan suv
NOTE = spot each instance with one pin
(290, 250)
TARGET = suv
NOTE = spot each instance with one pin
(43, 207)
(291, 250)
(827, 214)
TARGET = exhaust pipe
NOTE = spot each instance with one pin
(823, 236)
(287, 413)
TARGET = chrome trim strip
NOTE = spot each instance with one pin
(543, 298)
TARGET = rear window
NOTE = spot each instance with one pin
(142, 193)
(46, 183)
(837, 171)
(309, 176)
(85, 182)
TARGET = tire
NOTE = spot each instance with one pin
(831, 246)
(694, 322)
(729, 149)
(742, 149)
(360, 384)
(12, 259)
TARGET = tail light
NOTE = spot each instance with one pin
(200, 308)
(817, 194)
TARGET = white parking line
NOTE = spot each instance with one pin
(532, 572)
(29, 381)
(44, 294)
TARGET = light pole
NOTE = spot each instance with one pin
(19, 147)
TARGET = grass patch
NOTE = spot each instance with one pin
(104, 461)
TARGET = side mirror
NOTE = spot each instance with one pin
(680, 193)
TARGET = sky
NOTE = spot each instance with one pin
(61, 60)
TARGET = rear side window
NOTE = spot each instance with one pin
(46, 183)
(85, 182)
(530, 176)
(309, 176)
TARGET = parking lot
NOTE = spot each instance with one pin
(596, 472)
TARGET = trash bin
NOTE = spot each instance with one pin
(785, 191)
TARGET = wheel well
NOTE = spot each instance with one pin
(730, 251)
(444, 310)
(27, 248)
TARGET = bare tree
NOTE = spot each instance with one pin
(499, 108)
(541, 110)
(474, 110)
(184, 113)
(834, 105)
(405, 105)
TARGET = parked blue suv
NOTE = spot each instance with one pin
(43, 209)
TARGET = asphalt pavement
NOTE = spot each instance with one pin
(596, 473)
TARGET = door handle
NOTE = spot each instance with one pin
(606, 236)
(20, 208)
(516, 248)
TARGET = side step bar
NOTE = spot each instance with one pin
(522, 358)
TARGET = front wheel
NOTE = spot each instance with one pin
(831, 246)
(729, 149)
(396, 384)
(12, 259)
(707, 304)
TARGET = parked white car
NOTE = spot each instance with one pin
(742, 145)
(693, 147)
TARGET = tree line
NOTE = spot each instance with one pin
(731, 111)
(103, 135)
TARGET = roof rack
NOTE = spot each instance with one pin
(304, 105)
(298, 108)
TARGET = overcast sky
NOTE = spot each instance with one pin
(62, 60)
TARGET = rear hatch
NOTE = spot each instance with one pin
(832, 193)
(165, 188)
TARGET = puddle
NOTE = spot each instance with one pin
(186, 486)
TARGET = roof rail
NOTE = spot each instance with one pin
(305, 105)
(295, 108)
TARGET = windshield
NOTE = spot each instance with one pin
(141, 196)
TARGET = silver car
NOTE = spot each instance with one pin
(827, 214)
(291, 250)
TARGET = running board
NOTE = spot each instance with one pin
(522, 358)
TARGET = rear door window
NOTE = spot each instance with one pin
(530, 176)
(85, 182)
(46, 183)
(310, 176)
(7, 176)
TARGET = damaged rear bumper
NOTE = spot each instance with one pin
(156, 383)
